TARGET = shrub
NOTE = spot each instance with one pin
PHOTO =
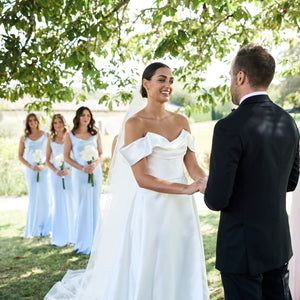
(105, 165)
(12, 180)
(9, 129)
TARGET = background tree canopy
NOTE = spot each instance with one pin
(44, 44)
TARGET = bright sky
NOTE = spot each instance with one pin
(214, 71)
(218, 68)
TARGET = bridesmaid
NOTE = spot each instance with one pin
(87, 178)
(32, 153)
(60, 179)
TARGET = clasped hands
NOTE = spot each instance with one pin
(63, 173)
(38, 168)
(200, 184)
(89, 168)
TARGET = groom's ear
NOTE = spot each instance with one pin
(241, 77)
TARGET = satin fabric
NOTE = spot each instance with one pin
(85, 197)
(63, 206)
(160, 255)
(39, 218)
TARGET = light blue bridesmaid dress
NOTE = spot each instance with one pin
(63, 208)
(86, 197)
(39, 218)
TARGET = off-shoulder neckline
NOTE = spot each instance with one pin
(159, 135)
(179, 135)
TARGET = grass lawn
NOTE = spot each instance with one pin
(203, 133)
(28, 268)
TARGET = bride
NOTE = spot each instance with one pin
(149, 246)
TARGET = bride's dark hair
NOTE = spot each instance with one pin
(148, 73)
(91, 127)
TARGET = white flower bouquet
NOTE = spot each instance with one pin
(37, 158)
(59, 161)
(89, 154)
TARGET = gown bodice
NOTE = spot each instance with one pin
(79, 144)
(57, 149)
(32, 145)
(164, 157)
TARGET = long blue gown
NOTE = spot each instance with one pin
(63, 210)
(86, 197)
(39, 219)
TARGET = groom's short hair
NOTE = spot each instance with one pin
(257, 63)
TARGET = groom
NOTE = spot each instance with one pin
(254, 162)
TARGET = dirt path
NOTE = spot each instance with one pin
(13, 203)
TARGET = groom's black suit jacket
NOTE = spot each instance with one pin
(254, 162)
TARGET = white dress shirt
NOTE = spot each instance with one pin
(253, 94)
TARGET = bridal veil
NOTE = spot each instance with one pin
(82, 284)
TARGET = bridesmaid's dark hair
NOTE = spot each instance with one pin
(91, 127)
(148, 73)
(53, 133)
(27, 130)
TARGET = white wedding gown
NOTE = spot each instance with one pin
(160, 255)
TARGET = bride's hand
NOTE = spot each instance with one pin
(197, 186)
(193, 187)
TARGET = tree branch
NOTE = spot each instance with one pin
(28, 37)
(122, 2)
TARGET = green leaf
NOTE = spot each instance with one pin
(110, 105)
(182, 36)
(103, 99)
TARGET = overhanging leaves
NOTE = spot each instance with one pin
(44, 44)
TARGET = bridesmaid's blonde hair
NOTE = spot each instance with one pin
(53, 133)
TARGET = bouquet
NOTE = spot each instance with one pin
(59, 161)
(37, 158)
(89, 154)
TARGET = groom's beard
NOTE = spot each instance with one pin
(235, 94)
